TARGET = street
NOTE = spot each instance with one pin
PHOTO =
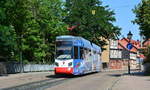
(106, 80)
(47, 80)
(95, 81)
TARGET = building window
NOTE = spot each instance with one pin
(113, 44)
(115, 54)
(133, 56)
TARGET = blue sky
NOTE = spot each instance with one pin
(124, 16)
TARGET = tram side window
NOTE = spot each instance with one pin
(86, 51)
(81, 52)
(86, 54)
(90, 52)
(75, 52)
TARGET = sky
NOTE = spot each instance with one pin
(124, 16)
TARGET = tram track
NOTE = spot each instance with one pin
(39, 85)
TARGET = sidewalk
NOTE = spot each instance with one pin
(135, 81)
(22, 78)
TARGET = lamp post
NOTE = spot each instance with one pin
(129, 36)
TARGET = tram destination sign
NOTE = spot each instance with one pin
(63, 48)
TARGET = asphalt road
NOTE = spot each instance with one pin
(94, 81)
(49, 81)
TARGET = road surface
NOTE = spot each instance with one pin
(49, 81)
(95, 81)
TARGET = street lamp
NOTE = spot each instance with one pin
(93, 12)
(129, 36)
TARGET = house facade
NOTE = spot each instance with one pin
(119, 54)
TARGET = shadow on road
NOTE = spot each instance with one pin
(68, 76)
(138, 74)
(115, 75)
(60, 76)
(132, 74)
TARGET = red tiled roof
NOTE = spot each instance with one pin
(146, 43)
(141, 56)
(123, 42)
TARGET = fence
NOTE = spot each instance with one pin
(14, 67)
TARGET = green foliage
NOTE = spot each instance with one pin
(91, 26)
(49, 15)
(28, 28)
(7, 42)
(35, 24)
(20, 16)
(142, 11)
(7, 36)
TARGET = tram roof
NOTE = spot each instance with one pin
(96, 48)
(85, 43)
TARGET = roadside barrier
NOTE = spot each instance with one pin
(15, 67)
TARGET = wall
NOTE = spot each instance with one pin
(122, 64)
(13, 67)
(105, 56)
(105, 53)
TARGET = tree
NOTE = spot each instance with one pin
(35, 24)
(24, 31)
(88, 25)
(49, 16)
(7, 35)
(142, 12)
(7, 43)
(18, 15)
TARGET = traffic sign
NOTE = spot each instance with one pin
(129, 46)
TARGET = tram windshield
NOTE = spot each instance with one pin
(63, 50)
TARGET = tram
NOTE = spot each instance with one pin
(76, 56)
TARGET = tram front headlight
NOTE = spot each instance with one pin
(70, 64)
(56, 64)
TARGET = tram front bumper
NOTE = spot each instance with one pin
(63, 70)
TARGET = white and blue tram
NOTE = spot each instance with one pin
(76, 55)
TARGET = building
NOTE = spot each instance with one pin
(115, 55)
(105, 55)
(146, 43)
(119, 54)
